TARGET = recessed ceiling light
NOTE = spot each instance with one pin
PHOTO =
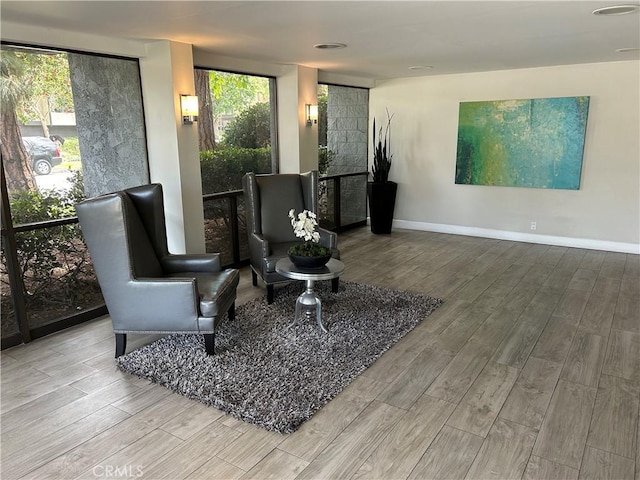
(421, 67)
(616, 10)
(329, 46)
(628, 49)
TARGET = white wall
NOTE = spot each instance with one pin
(603, 214)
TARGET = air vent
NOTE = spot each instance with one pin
(616, 10)
(329, 46)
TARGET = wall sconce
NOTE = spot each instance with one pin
(312, 114)
(189, 108)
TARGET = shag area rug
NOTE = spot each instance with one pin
(276, 374)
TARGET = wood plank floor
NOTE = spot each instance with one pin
(530, 369)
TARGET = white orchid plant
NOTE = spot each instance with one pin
(304, 226)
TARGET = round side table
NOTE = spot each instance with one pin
(308, 301)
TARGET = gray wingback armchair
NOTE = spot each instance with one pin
(268, 199)
(147, 289)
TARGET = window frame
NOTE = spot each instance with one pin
(26, 333)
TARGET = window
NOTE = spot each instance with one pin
(72, 127)
(237, 134)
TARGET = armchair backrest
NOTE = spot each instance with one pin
(121, 248)
(270, 197)
(149, 202)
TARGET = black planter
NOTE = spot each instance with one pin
(309, 262)
(382, 201)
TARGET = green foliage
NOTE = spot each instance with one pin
(222, 169)
(54, 264)
(75, 193)
(250, 129)
(382, 155)
(30, 206)
(308, 249)
(34, 206)
(325, 158)
(322, 119)
(47, 84)
(12, 89)
(70, 150)
(232, 92)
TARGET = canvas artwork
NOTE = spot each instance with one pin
(522, 143)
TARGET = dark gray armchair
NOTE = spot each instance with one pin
(147, 289)
(268, 199)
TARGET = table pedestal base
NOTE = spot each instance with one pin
(309, 303)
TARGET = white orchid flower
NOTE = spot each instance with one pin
(304, 225)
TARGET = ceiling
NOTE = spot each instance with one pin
(383, 38)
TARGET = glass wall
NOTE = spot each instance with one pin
(237, 133)
(72, 127)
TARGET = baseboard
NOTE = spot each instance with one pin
(521, 237)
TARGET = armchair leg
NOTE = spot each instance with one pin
(335, 283)
(269, 294)
(232, 311)
(254, 278)
(209, 343)
(121, 344)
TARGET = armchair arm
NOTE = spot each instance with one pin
(258, 250)
(205, 263)
(155, 304)
(328, 238)
(259, 244)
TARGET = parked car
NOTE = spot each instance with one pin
(44, 154)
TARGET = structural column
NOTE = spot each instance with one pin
(174, 161)
(297, 142)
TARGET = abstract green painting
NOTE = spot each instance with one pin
(522, 143)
